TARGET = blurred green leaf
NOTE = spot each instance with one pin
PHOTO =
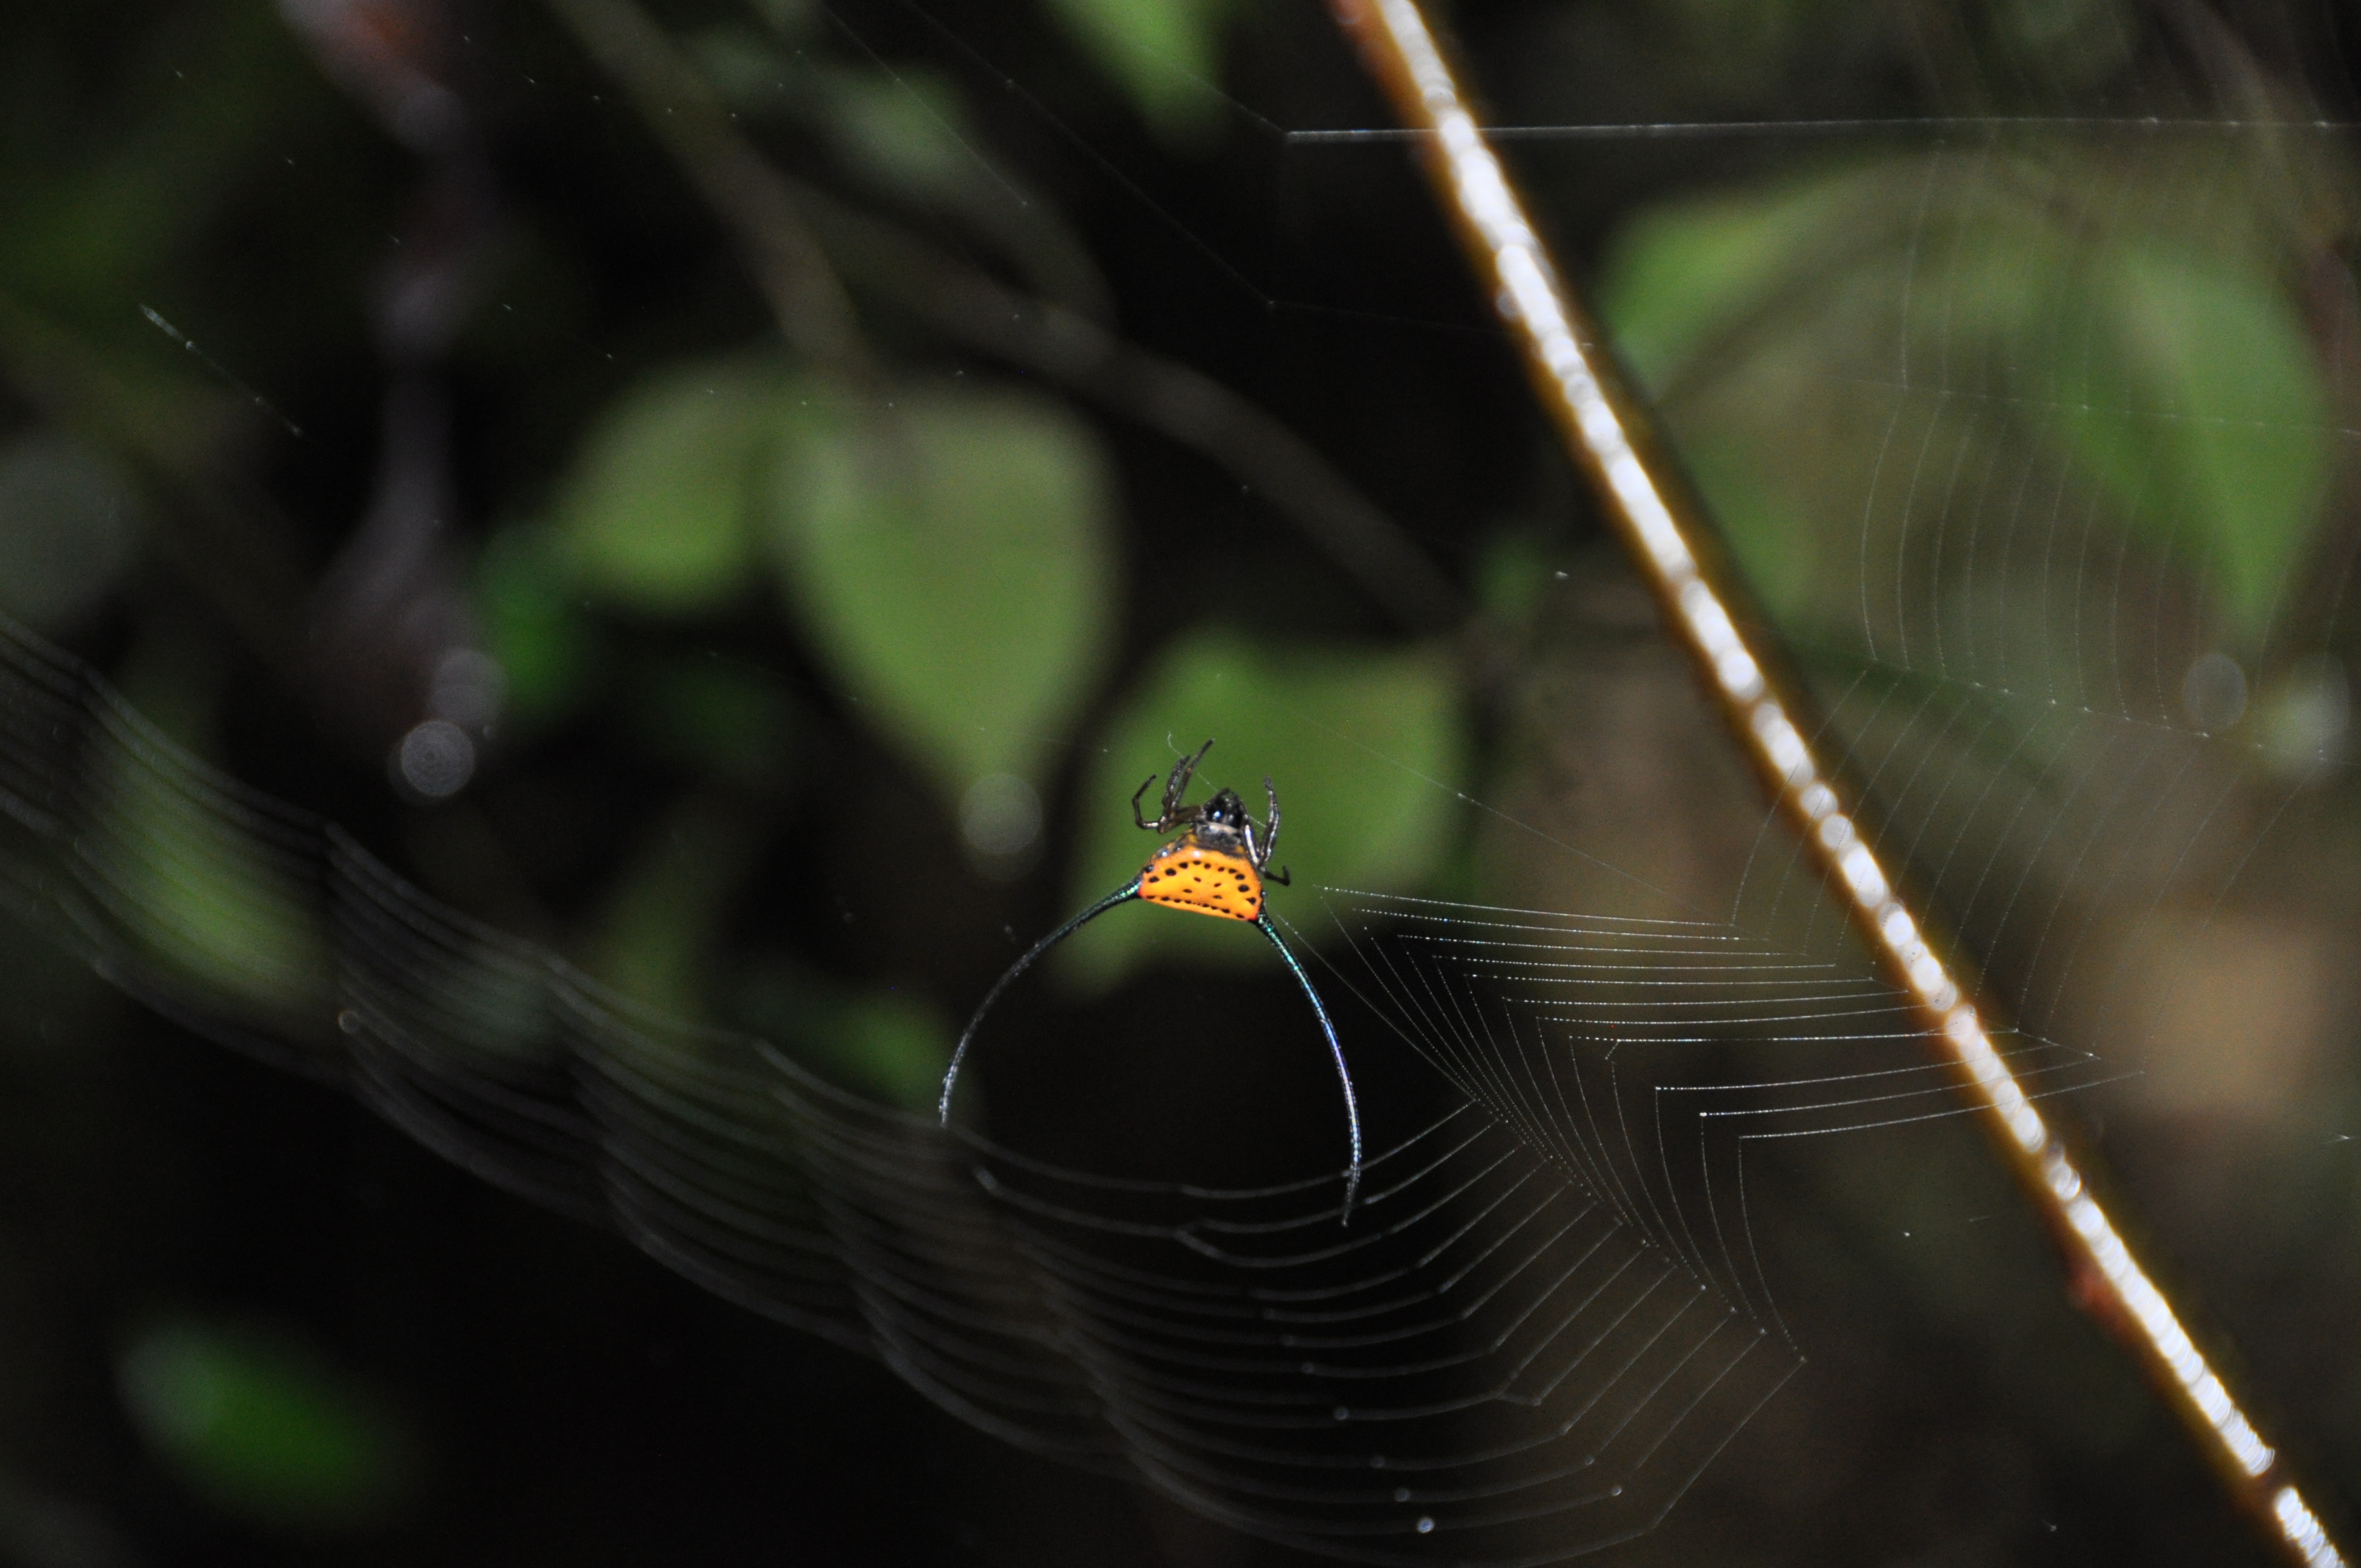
(720, 716)
(92, 215)
(656, 516)
(2196, 408)
(2208, 420)
(1678, 275)
(261, 1430)
(2073, 43)
(1681, 288)
(742, 65)
(1761, 519)
(1164, 54)
(211, 896)
(1368, 752)
(883, 1044)
(905, 130)
(1513, 573)
(951, 555)
(890, 1047)
(1748, 38)
(664, 917)
(534, 626)
(789, 19)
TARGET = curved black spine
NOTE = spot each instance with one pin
(1122, 894)
(1344, 1075)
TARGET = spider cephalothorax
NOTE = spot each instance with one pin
(1217, 866)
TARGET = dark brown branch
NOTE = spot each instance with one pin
(1610, 435)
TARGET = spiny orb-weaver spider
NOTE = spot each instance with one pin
(1217, 867)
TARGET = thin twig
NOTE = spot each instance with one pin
(681, 108)
(1183, 404)
(1663, 527)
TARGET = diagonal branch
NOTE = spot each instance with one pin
(1663, 527)
(680, 107)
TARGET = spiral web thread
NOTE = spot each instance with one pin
(1545, 1321)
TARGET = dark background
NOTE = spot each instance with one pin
(520, 1388)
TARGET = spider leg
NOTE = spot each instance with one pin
(1343, 1074)
(1177, 784)
(1161, 823)
(1125, 894)
(1271, 830)
(1258, 851)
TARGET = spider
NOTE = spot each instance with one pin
(1216, 866)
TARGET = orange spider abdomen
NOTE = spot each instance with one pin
(1189, 876)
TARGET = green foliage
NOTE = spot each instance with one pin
(534, 626)
(1682, 273)
(1368, 752)
(740, 65)
(667, 919)
(905, 131)
(665, 916)
(262, 1430)
(881, 1043)
(1511, 574)
(950, 555)
(789, 19)
(886, 1046)
(2208, 420)
(2189, 407)
(1762, 522)
(1164, 54)
(1684, 282)
(2076, 42)
(726, 719)
(92, 217)
(654, 517)
(195, 885)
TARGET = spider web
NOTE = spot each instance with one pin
(1552, 1314)
(1546, 1319)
